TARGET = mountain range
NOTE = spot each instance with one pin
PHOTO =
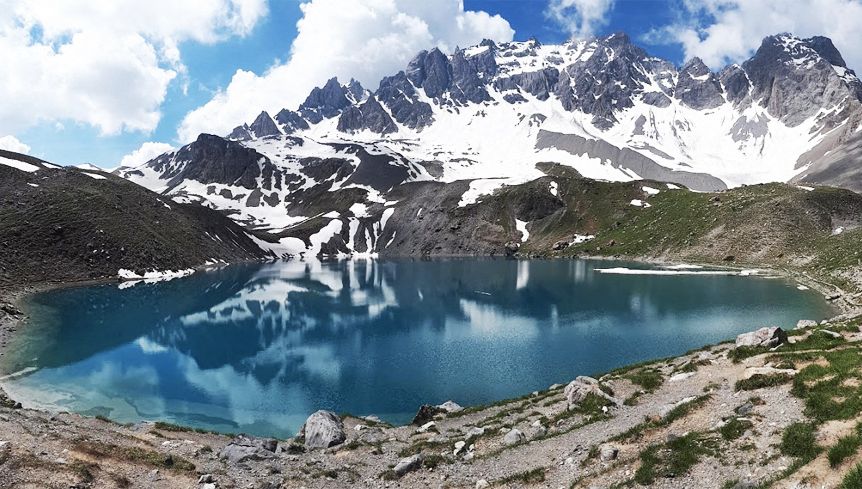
(351, 170)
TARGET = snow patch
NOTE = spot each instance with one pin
(640, 203)
(650, 190)
(522, 227)
(18, 165)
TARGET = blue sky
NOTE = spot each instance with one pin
(209, 57)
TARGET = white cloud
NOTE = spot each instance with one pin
(581, 18)
(145, 153)
(104, 63)
(11, 143)
(728, 31)
(363, 39)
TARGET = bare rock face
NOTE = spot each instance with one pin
(583, 386)
(767, 337)
(698, 87)
(323, 429)
(244, 448)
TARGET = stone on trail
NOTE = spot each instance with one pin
(514, 437)
(767, 337)
(608, 453)
(323, 429)
(408, 464)
(425, 427)
(482, 484)
(244, 448)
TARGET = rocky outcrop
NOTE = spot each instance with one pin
(514, 437)
(323, 429)
(369, 115)
(581, 388)
(764, 337)
(698, 87)
(323, 103)
(244, 448)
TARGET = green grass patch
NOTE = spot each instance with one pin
(534, 476)
(649, 379)
(853, 479)
(759, 381)
(843, 448)
(674, 458)
(831, 391)
(734, 428)
(799, 440)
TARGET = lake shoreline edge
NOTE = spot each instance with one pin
(15, 319)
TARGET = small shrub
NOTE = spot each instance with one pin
(853, 479)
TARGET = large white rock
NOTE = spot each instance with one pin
(581, 387)
(408, 464)
(514, 437)
(323, 429)
(768, 337)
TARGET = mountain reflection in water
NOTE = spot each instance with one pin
(256, 348)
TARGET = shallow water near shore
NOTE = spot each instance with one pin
(256, 348)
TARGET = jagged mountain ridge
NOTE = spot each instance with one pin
(491, 115)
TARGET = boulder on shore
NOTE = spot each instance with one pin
(583, 386)
(450, 407)
(323, 429)
(768, 337)
(426, 413)
(805, 323)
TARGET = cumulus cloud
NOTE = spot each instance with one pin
(146, 152)
(728, 31)
(104, 63)
(11, 143)
(362, 39)
(581, 18)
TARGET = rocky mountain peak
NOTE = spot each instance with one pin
(264, 126)
(326, 102)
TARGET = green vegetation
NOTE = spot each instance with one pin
(759, 381)
(734, 428)
(648, 378)
(674, 458)
(799, 440)
(637, 431)
(831, 391)
(843, 448)
(134, 454)
(853, 479)
(534, 476)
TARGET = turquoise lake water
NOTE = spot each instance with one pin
(256, 348)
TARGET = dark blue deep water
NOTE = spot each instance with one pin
(256, 348)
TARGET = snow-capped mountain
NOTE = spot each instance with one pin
(498, 114)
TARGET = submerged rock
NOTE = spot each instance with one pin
(323, 429)
(767, 337)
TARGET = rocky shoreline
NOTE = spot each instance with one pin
(623, 428)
